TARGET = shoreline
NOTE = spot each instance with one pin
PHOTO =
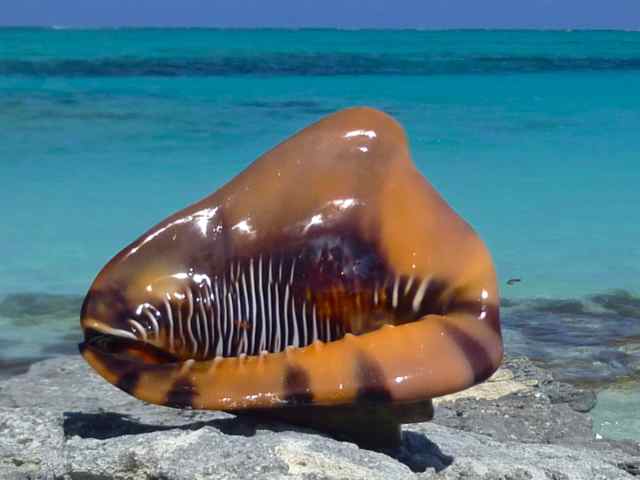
(62, 419)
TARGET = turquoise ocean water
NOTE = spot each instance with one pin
(533, 137)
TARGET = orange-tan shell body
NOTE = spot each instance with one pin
(327, 273)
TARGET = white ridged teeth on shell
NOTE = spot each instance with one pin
(394, 301)
(262, 304)
(150, 313)
(249, 308)
(419, 295)
(171, 325)
(139, 329)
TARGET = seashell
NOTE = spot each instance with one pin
(328, 285)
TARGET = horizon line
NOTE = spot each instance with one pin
(321, 28)
(330, 28)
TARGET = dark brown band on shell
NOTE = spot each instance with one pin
(296, 388)
(479, 358)
(129, 381)
(181, 394)
(371, 380)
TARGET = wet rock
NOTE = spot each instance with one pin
(578, 400)
(60, 420)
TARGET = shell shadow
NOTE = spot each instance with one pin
(420, 454)
(416, 451)
(106, 425)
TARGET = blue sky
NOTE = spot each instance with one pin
(624, 14)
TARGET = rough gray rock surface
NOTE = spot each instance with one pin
(545, 412)
(61, 421)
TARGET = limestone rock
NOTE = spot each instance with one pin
(61, 421)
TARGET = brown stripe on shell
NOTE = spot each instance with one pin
(181, 394)
(129, 381)
(127, 373)
(477, 355)
(371, 381)
(297, 386)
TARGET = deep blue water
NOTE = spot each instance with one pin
(531, 136)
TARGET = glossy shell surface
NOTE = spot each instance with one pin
(328, 272)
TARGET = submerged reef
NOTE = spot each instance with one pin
(36, 326)
(621, 302)
(591, 341)
(32, 308)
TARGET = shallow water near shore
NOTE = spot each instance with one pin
(530, 136)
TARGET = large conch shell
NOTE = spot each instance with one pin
(325, 284)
